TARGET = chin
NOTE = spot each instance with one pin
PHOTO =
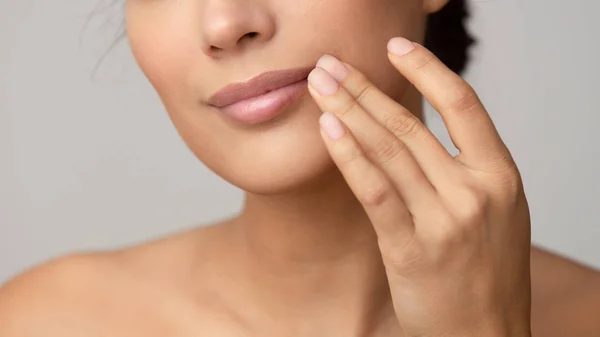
(285, 174)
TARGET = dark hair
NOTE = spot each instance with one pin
(447, 36)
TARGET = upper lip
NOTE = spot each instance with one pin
(257, 85)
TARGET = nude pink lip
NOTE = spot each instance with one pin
(263, 97)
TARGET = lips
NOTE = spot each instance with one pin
(257, 86)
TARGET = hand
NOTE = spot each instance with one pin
(454, 232)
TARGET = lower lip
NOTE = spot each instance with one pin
(265, 107)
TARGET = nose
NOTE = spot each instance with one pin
(229, 26)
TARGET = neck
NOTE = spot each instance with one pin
(315, 252)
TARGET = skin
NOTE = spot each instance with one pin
(324, 245)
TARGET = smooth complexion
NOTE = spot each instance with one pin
(304, 255)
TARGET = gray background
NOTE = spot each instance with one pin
(95, 163)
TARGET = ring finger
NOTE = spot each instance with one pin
(380, 145)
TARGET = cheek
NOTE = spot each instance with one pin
(167, 54)
(164, 39)
(162, 55)
(357, 32)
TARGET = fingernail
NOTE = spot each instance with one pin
(400, 46)
(332, 126)
(333, 67)
(320, 79)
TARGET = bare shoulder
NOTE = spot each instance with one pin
(108, 293)
(565, 296)
(37, 299)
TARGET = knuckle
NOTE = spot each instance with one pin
(347, 153)
(375, 195)
(451, 238)
(364, 91)
(506, 167)
(402, 125)
(465, 98)
(347, 107)
(508, 186)
(424, 62)
(447, 235)
(405, 258)
(471, 207)
(387, 148)
(513, 183)
(460, 226)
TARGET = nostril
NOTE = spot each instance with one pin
(247, 37)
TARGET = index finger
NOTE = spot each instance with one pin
(469, 124)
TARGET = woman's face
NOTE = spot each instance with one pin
(190, 49)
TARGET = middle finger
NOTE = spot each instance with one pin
(431, 155)
(384, 148)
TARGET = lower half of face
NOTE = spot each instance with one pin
(190, 49)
